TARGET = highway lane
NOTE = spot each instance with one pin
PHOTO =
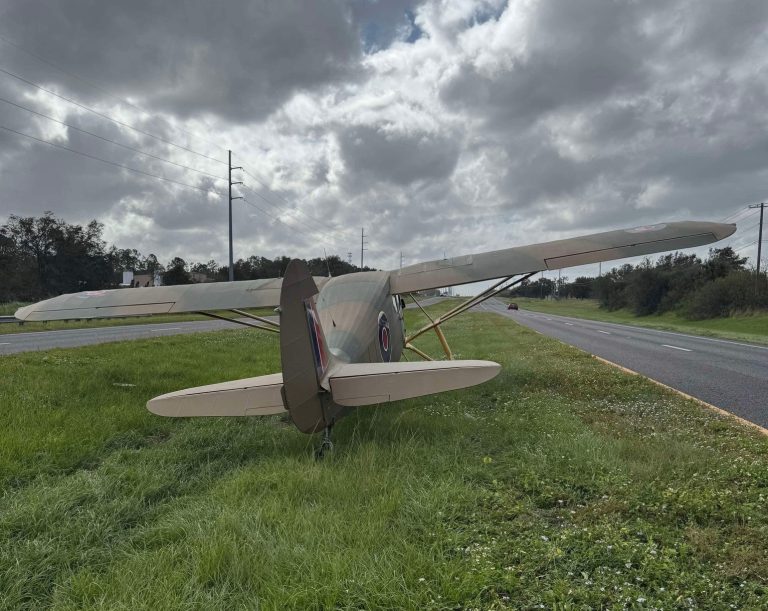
(728, 374)
(72, 338)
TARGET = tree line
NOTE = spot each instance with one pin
(44, 256)
(697, 289)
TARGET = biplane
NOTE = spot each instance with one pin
(341, 338)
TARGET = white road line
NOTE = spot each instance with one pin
(168, 329)
(604, 332)
(676, 348)
(570, 324)
(5, 343)
(547, 318)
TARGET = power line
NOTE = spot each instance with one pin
(119, 165)
(745, 246)
(279, 220)
(95, 86)
(750, 228)
(125, 146)
(273, 192)
(314, 230)
(103, 116)
(737, 213)
(742, 236)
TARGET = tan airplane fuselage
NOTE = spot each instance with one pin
(354, 311)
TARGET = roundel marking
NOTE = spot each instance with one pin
(384, 340)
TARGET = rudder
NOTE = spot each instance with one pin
(304, 353)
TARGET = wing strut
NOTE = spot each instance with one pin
(459, 309)
(254, 317)
(243, 322)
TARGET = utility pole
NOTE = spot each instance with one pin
(759, 243)
(327, 262)
(349, 257)
(362, 246)
(401, 259)
(231, 262)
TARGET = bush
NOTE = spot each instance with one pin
(724, 296)
(646, 290)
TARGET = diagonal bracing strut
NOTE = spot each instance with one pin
(460, 309)
(274, 329)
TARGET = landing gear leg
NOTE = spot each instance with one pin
(326, 445)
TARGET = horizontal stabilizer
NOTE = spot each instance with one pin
(370, 383)
(249, 397)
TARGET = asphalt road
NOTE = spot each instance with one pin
(71, 338)
(728, 374)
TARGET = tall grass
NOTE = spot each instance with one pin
(9, 307)
(561, 483)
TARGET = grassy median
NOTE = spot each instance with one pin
(563, 483)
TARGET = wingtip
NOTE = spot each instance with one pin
(724, 230)
(23, 313)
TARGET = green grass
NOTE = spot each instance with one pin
(562, 483)
(748, 327)
(8, 308)
(58, 325)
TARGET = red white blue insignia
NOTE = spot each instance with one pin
(319, 350)
(385, 344)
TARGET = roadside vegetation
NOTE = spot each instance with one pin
(744, 327)
(561, 484)
(45, 256)
(679, 292)
(8, 308)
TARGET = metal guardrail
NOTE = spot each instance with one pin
(10, 319)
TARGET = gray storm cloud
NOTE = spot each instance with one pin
(438, 125)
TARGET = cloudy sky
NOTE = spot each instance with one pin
(441, 127)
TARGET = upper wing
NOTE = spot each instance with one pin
(158, 300)
(556, 255)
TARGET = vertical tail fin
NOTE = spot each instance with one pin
(304, 353)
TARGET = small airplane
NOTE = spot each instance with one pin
(341, 338)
